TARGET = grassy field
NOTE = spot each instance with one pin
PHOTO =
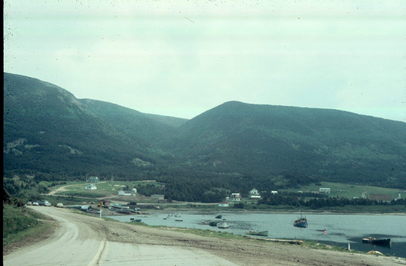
(104, 188)
(350, 191)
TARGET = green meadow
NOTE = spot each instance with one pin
(104, 188)
(350, 191)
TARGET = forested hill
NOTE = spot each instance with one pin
(266, 140)
(48, 130)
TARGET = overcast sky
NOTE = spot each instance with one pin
(181, 58)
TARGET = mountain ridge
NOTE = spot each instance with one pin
(66, 131)
(48, 130)
(304, 132)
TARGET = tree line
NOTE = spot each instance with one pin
(315, 203)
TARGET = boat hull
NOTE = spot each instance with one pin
(223, 225)
(300, 223)
(378, 242)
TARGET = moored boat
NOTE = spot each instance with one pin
(223, 225)
(377, 241)
(213, 223)
(301, 222)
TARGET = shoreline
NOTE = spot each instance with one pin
(303, 243)
(309, 240)
(282, 211)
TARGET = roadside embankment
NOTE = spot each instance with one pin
(22, 225)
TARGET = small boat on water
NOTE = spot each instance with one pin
(135, 220)
(377, 241)
(324, 231)
(223, 225)
(219, 216)
(257, 233)
(301, 222)
(178, 220)
(213, 223)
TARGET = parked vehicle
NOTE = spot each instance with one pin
(59, 205)
(44, 203)
(84, 207)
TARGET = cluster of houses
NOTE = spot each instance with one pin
(253, 194)
(92, 180)
(236, 197)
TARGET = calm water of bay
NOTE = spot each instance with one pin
(341, 228)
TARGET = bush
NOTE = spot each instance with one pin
(239, 205)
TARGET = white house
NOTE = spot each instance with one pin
(235, 196)
(274, 192)
(91, 187)
(254, 194)
(124, 193)
(134, 191)
(325, 190)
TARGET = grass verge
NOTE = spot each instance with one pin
(22, 226)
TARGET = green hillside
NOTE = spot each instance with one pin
(266, 140)
(48, 130)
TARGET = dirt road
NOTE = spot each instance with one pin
(85, 240)
(59, 189)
